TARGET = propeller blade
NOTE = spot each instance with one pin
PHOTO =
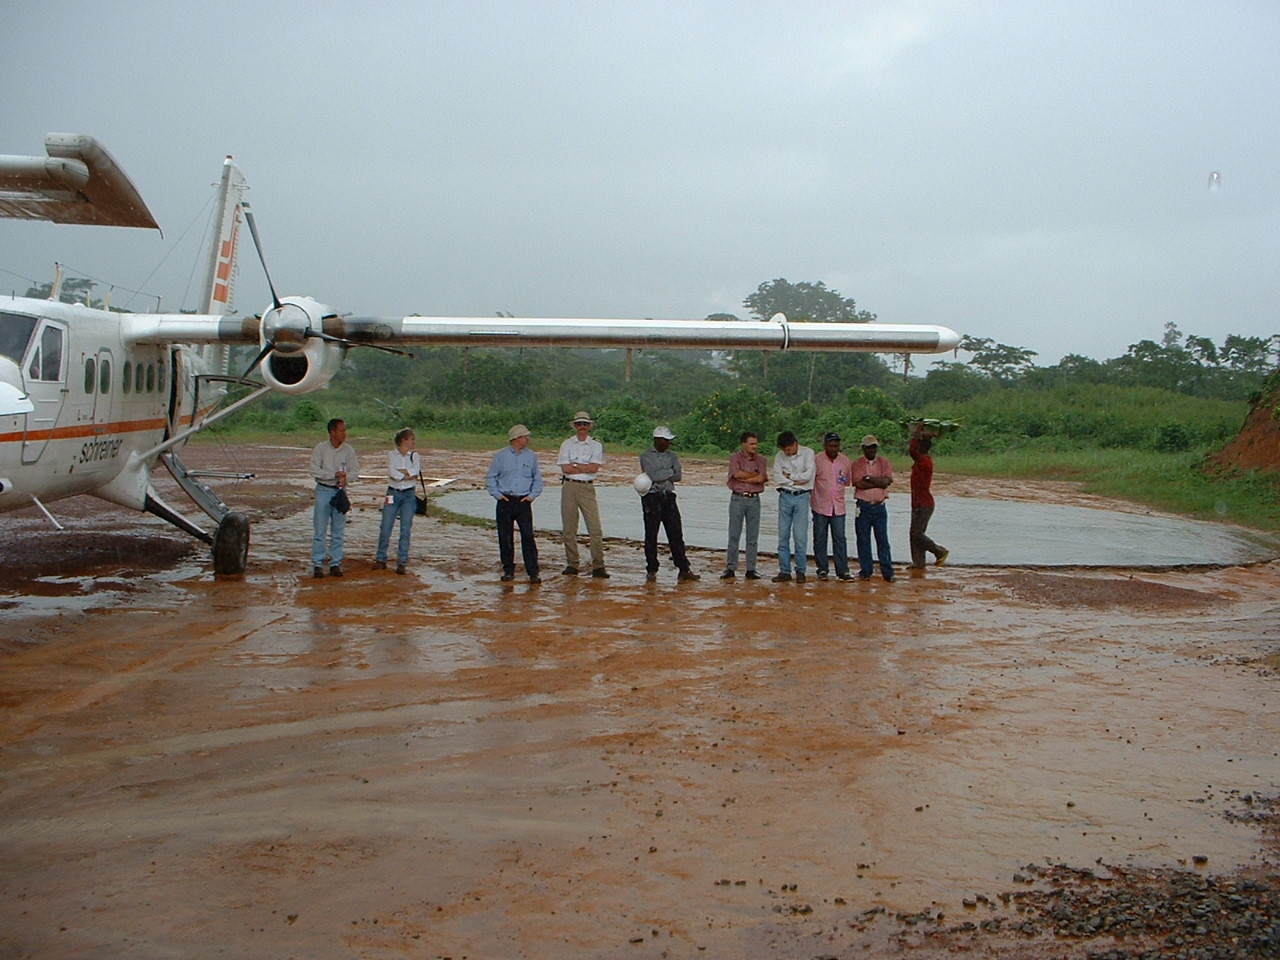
(262, 355)
(257, 245)
(330, 338)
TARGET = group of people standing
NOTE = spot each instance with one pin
(810, 487)
(813, 487)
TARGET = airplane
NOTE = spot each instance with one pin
(92, 400)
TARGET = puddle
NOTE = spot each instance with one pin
(976, 531)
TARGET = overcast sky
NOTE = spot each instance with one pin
(1036, 172)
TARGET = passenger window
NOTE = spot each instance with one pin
(127, 380)
(160, 377)
(104, 378)
(90, 375)
(137, 383)
(151, 378)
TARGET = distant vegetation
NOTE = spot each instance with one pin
(1167, 404)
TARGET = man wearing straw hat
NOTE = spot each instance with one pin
(515, 481)
(580, 460)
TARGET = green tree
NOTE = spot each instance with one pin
(1001, 362)
(807, 376)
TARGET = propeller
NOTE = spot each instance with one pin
(289, 323)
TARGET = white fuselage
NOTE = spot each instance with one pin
(94, 402)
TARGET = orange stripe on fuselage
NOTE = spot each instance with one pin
(85, 430)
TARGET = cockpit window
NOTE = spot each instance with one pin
(46, 355)
(15, 334)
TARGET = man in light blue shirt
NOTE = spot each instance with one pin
(515, 481)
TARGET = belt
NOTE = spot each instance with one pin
(331, 486)
(794, 493)
(575, 480)
(737, 494)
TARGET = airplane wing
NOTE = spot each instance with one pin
(78, 182)
(776, 334)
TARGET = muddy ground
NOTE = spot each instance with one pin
(985, 763)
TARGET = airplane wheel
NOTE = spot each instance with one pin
(231, 545)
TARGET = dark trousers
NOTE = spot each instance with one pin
(921, 543)
(512, 514)
(660, 510)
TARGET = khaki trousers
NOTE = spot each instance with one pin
(576, 498)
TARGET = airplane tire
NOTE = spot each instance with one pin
(231, 545)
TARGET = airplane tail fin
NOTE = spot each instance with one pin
(221, 275)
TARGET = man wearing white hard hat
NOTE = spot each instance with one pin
(515, 481)
(661, 472)
(580, 460)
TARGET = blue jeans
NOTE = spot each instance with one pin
(402, 505)
(326, 520)
(743, 508)
(793, 530)
(873, 518)
(839, 546)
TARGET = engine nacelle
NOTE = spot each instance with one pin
(302, 371)
(301, 359)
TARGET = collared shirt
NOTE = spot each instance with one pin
(398, 462)
(747, 463)
(794, 473)
(830, 478)
(879, 467)
(663, 469)
(513, 474)
(327, 461)
(574, 450)
(921, 475)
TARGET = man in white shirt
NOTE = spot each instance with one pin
(794, 468)
(333, 463)
(580, 460)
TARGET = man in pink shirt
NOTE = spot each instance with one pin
(832, 471)
(872, 475)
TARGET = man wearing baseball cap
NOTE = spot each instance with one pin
(580, 460)
(662, 467)
(515, 481)
(872, 475)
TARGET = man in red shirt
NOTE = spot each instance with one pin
(922, 499)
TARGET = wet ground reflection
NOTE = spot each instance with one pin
(977, 531)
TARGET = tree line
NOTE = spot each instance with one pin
(1178, 393)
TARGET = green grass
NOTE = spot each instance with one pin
(1172, 482)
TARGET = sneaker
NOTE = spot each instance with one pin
(728, 575)
(399, 568)
(317, 572)
(335, 571)
(601, 573)
(507, 577)
(782, 578)
(569, 572)
(650, 576)
(752, 575)
(534, 578)
(688, 575)
(822, 574)
(942, 557)
(890, 579)
(847, 576)
(799, 577)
